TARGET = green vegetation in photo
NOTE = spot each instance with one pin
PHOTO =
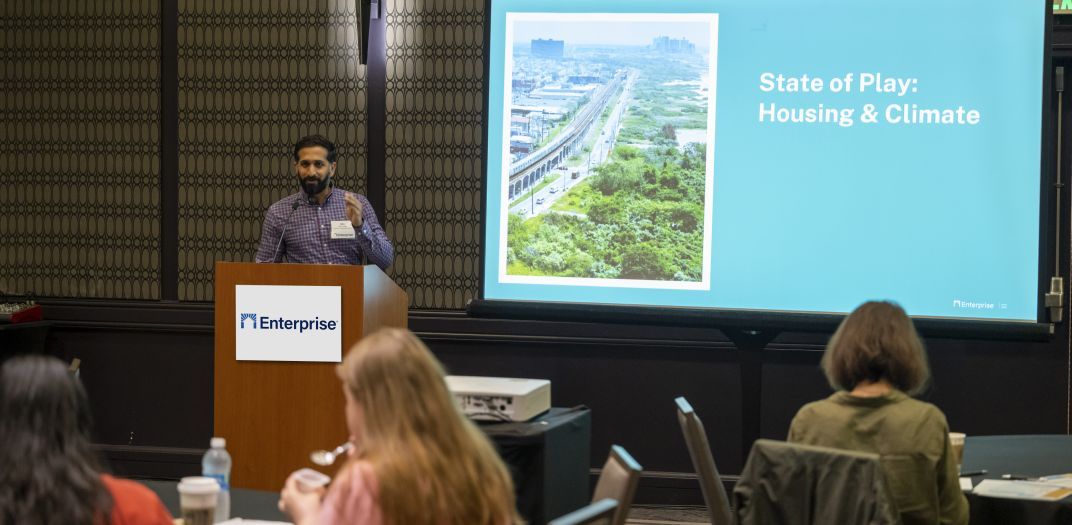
(632, 220)
(577, 200)
(640, 215)
(575, 161)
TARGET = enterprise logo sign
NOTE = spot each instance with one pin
(301, 325)
(288, 323)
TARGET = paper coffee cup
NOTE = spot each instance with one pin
(956, 441)
(197, 499)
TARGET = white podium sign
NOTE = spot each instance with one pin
(288, 323)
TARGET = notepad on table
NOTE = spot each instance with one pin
(998, 488)
(1060, 480)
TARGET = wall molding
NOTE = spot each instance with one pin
(128, 315)
(146, 462)
(431, 325)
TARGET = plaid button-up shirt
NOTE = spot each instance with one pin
(307, 234)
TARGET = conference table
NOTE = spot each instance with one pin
(548, 457)
(245, 503)
(1027, 455)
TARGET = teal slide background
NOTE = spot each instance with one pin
(817, 217)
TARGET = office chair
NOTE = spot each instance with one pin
(618, 481)
(700, 450)
(598, 513)
(74, 368)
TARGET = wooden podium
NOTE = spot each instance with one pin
(274, 413)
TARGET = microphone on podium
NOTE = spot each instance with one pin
(293, 208)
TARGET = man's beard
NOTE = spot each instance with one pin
(313, 186)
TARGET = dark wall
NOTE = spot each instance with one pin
(147, 356)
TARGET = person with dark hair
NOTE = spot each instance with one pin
(322, 224)
(875, 361)
(48, 473)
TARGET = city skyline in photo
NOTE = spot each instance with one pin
(611, 32)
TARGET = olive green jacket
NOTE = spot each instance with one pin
(911, 438)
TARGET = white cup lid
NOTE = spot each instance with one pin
(198, 485)
(311, 479)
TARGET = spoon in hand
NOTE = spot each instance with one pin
(325, 458)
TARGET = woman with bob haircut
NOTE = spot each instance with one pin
(48, 473)
(416, 459)
(875, 361)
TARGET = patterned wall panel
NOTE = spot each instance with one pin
(434, 134)
(253, 78)
(79, 145)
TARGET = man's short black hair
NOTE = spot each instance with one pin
(313, 141)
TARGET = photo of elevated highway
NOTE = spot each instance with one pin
(608, 147)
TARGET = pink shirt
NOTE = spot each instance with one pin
(353, 498)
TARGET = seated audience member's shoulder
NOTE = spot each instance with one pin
(125, 488)
(820, 413)
(358, 475)
(134, 503)
(353, 497)
(928, 411)
(821, 407)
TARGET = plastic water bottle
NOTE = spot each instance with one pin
(216, 463)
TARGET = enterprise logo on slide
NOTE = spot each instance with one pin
(301, 325)
(978, 305)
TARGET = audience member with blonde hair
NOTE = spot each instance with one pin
(416, 459)
(48, 471)
(875, 361)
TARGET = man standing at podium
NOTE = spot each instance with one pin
(322, 224)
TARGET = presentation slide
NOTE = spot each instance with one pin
(773, 156)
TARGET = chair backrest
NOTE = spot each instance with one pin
(700, 450)
(618, 481)
(598, 513)
(789, 483)
(74, 369)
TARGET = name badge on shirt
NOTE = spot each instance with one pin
(342, 230)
